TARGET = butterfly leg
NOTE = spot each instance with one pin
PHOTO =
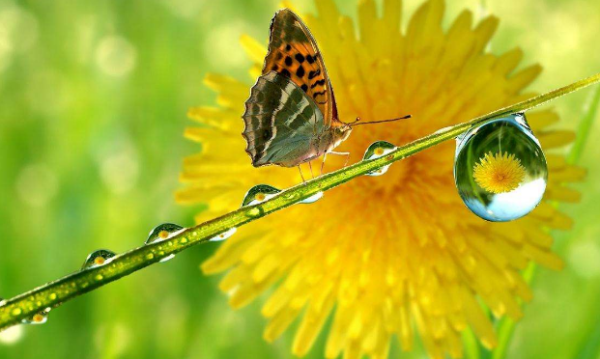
(311, 171)
(301, 175)
(347, 154)
(323, 163)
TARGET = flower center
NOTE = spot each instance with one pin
(498, 173)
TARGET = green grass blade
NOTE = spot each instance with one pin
(506, 326)
(586, 124)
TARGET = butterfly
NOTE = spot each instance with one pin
(291, 116)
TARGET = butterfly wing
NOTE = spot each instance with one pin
(281, 123)
(293, 53)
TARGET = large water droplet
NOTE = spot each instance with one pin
(223, 236)
(500, 170)
(97, 258)
(259, 194)
(376, 150)
(37, 318)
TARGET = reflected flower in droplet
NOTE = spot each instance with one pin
(500, 170)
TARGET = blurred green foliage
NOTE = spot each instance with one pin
(93, 96)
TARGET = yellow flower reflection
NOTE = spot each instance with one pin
(498, 173)
(391, 255)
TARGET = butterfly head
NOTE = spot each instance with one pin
(341, 133)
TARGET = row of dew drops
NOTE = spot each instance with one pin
(499, 169)
(162, 232)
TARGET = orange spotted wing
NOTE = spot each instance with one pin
(293, 53)
(291, 115)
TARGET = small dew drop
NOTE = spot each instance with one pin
(223, 236)
(15, 312)
(97, 258)
(183, 240)
(167, 258)
(254, 212)
(37, 318)
(312, 199)
(500, 170)
(376, 150)
(163, 231)
(52, 296)
(259, 194)
(99, 277)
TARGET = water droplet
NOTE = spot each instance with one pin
(16, 311)
(312, 199)
(167, 258)
(259, 194)
(223, 236)
(52, 296)
(37, 318)
(376, 150)
(97, 258)
(163, 231)
(150, 256)
(500, 170)
(254, 212)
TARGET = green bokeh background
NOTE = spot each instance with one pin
(93, 97)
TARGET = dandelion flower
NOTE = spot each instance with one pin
(498, 173)
(388, 256)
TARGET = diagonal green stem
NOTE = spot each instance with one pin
(583, 131)
(53, 294)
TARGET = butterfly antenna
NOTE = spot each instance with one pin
(357, 123)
